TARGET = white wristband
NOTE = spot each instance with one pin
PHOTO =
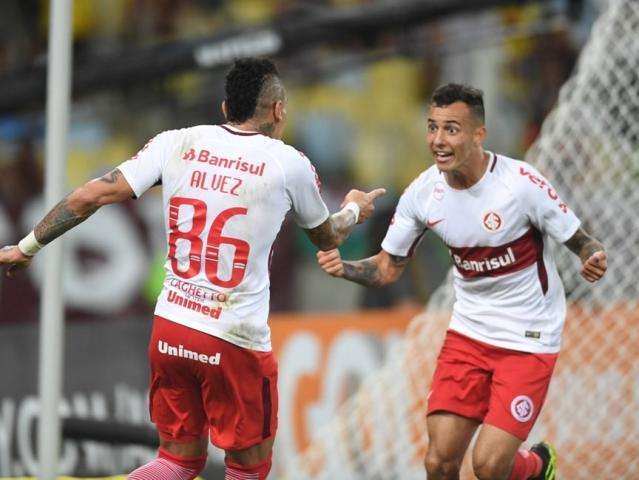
(29, 245)
(352, 207)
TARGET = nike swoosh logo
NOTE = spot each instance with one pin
(430, 224)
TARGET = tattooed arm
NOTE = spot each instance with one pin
(332, 233)
(592, 254)
(74, 209)
(80, 204)
(376, 271)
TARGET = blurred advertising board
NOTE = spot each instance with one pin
(322, 358)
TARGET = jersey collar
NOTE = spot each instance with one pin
(237, 131)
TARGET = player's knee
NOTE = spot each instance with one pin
(258, 471)
(252, 455)
(491, 467)
(192, 466)
(440, 467)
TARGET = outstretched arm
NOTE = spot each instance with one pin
(74, 209)
(80, 204)
(333, 232)
(592, 254)
(358, 207)
(376, 271)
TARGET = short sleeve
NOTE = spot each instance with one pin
(145, 169)
(303, 188)
(545, 209)
(405, 230)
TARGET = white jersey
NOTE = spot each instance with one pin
(508, 292)
(225, 195)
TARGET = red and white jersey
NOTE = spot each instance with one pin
(225, 195)
(507, 289)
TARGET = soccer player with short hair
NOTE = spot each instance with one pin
(495, 214)
(226, 190)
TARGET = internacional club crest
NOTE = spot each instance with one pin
(522, 408)
(492, 221)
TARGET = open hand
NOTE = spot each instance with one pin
(331, 262)
(12, 257)
(595, 266)
(364, 201)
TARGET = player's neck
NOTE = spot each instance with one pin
(470, 173)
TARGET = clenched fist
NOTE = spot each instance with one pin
(331, 262)
(14, 258)
(595, 266)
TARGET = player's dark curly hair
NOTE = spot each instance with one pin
(244, 83)
(456, 92)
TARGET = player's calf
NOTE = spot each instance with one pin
(526, 466)
(494, 453)
(492, 467)
(252, 463)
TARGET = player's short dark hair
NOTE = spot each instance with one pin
(244, 82)
(456, 92)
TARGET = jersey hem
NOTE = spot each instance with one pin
(572, 232)
(396, 253)
(128, 179)
(262, 347)
(460, 328)
(314, 224)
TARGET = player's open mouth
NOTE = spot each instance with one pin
(443, 157)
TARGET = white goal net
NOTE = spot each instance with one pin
(589, 148)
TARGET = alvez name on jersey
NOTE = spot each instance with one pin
(222, 183)
(225, 195)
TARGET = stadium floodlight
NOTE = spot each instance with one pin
(51, 305)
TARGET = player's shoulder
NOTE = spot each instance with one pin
(182, 135)
(429, 176)
(292, 160)
(179, 140)
(197, 132)
(281, 149)
(519, 175)
(425, 182)
(504, 165)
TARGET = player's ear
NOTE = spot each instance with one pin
(279, 111)
(480, 135)
(224, 109)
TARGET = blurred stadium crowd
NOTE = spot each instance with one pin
(357, 109)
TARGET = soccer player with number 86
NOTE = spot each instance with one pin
(226, 190)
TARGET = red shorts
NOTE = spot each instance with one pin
(201, 384)
(501, 387)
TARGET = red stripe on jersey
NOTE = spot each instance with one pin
(541, 266)
(413, 246)
(510, 257)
